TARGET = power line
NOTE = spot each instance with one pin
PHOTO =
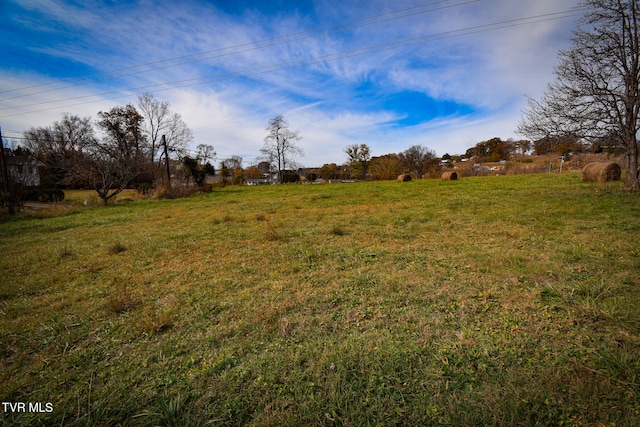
(22, 138)
(321, 31)
(310, 61)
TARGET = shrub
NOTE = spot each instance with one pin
(289, 177)
(46, 195)
(177, 192)
(144, 187)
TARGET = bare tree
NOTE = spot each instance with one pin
(58, 147)
(359, 160)
(416, 159)
(160, 120)
(280, 148)
(205, 153)
(597, 88)
(233, 162)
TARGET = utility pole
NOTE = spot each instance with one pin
(166, 159)
(8, 198)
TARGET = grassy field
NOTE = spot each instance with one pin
(485, 301)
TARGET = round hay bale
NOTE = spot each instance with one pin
(404, 177)
(600, 172)
(449, 176)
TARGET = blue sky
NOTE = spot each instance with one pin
(391, 74)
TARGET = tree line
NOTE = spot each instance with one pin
(592, 106)
(280, 151)
(144, 147)
(127, 146)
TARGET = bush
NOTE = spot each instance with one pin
(289, 177)
(46, 195)
(144, 187)
(176, 192)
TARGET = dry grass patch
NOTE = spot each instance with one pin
(65, 252)
(117, 248)
(120, 299)
(338, 230)
(160, 317)
(276, 232)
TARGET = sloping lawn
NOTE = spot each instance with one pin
(485, 301)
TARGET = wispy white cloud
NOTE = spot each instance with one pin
(333, 103)
(49, 107)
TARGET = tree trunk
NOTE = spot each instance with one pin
(633, 177)
(8, 188)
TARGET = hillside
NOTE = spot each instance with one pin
(508, 300)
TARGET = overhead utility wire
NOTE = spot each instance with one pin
(247, 50)
(14, 137)
(358, 52)
(242, 51)
(322, 31)
(318, 59)
(313, 60)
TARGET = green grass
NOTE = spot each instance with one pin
(485, 301)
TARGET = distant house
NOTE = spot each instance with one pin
(24, 170)
(480, 170)
(259, 181)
